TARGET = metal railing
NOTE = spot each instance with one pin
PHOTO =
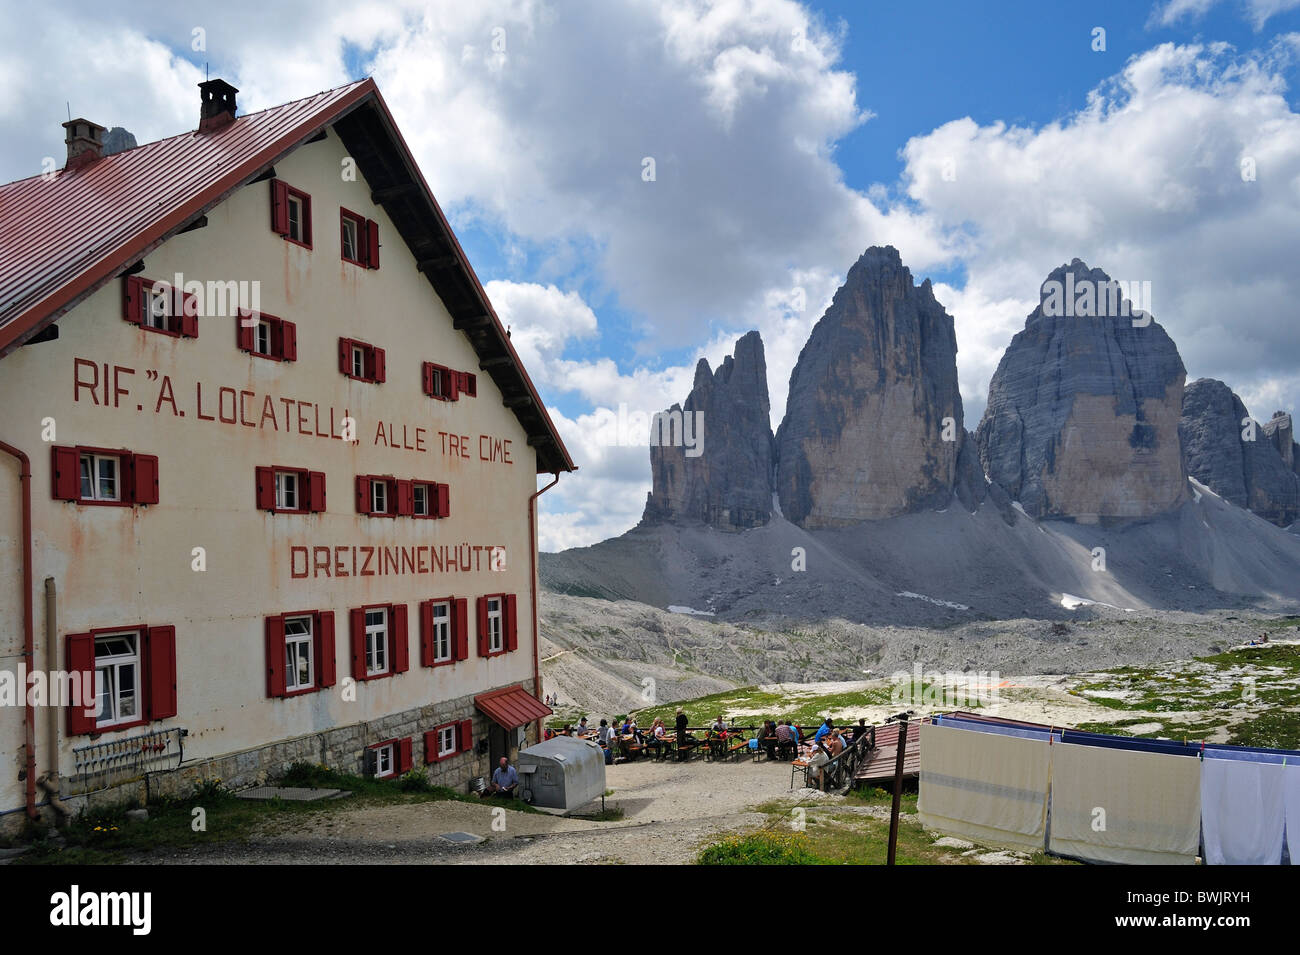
(102, 765)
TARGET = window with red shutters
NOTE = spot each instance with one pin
(109, 476)
(441, 382)
(379, 641)
(442, 631)
(158, 306)
(352, 237)
(383, 760)
(290, 213)
(448, 740)
(124, 677)
(498, 629)
(284, 490)
(377, 495)
(362, 362)
(299, 653)
(266, 336)
(469, 383)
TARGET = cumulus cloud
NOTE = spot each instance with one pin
(1183, 170)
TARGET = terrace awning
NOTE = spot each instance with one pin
(512, 707)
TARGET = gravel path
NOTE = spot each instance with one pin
(669, 809)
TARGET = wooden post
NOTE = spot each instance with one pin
(898, 786)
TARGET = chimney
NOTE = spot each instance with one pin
(216, 105)
(85, 141)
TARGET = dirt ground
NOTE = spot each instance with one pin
(669, 810)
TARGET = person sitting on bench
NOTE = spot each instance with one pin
(504, 781)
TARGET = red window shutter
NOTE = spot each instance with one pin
(444, 503)
(185, 314)
(316, 491)
(358, 644)
(323, 645)
(67, 474)
(144, 483)
(426, 377)
(403, 753)
(345, 356)
(460, 627)
(401, 645)
(363, 494)
(470, 386)
(275, 678)
(161, 673)
(279, 207)
(81, 663)
(265, 489)
(288, 341)
(511, 623)
(465, 736)
(372, 244)
(379, 370)
(426, 633)
(405, 498)
(132, 300)
(243, 332)
(431, 747)
(483, 641)
(451, 384)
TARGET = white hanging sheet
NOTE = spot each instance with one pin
(1242, 808)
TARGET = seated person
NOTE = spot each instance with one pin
(504, 781)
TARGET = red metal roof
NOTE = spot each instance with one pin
(884, 758)
(64, 236)
(512, 707)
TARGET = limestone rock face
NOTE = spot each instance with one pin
(1258, 474)
(118, 140)
(863, 435)
(726, 479)
(1083, 410)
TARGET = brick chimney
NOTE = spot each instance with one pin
(85, 142)
(216, 105)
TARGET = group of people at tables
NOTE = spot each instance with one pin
(773, 736)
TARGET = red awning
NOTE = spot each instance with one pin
(512, 707)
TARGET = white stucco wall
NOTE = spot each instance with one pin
(128, 566)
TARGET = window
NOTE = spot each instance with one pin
(299, 652)
(123, 676)
(386, 496)
(104, 476)
(267, 336)
(376, 642)
(358, 239)
(444, 631)
(441, 632)
(498, 630)
(448, 740)
(99, 477)
(286, 490)
(391, 758)
(495, 613)
(159, 307)
(293, 490)
(379, 641)
(445, 384)
(378, 497)
(291, 212)
(420, 500)
(117, 678)
(362, 362)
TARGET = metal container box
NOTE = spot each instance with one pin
(562, 773)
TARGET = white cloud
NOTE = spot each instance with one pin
(1146, 182)
(1257, 12)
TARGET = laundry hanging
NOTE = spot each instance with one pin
(1124, 805)
(989, 787)
(1242, 807)
(1291, 800)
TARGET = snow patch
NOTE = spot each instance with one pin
(687, 610)
(933, 600)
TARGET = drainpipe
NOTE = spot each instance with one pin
(532, 586)
(49, 780)
(29, 717)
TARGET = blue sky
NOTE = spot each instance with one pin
(787, 137)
